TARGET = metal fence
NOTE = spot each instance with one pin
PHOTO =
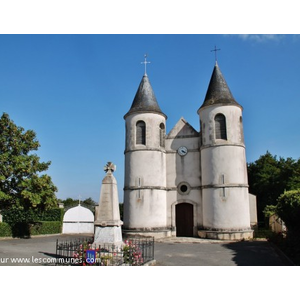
(81, 252)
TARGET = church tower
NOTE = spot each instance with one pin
(145, 207)
(224, 184)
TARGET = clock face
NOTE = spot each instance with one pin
(182, 151)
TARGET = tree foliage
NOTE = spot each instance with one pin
(70, 202)
(21, 186)
(269, 177)
(288, 210)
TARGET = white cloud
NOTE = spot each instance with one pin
(261, 37)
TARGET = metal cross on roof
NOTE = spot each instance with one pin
(145, 62)
(215, 50)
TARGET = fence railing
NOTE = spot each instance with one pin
(80, 252)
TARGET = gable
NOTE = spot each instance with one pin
(182, 129)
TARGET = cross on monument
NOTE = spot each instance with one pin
(215, 50)
(109, 168)
(145, 62)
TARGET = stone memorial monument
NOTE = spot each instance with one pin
(107, 225)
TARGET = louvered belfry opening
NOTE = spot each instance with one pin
(220, 127)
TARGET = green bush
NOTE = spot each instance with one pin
(16, 215)
(5, 229)
(23, 223)
(46, 227)
(19, 220)
(264, 233)
(55, 214)
(288, 210)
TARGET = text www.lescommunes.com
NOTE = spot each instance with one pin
(27, 260)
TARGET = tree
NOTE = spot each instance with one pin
(269, 177)
(88, 203)
(21, 186)
(69, 202)
(288, 210)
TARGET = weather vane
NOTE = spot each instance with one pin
(145, 62)
(215, 50)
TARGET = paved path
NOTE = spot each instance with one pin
(201, 252)
(39, 251)
(35, 251)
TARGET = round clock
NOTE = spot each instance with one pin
(182, 151)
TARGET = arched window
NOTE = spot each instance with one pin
(162, 133)
(220, 127)
(141, 133)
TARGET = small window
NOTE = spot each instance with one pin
(141, 133)
(162, 133)
(241, 130)
(183, 188)
(220, 127)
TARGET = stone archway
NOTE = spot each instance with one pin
(184, 218)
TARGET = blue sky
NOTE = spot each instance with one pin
(73, 91)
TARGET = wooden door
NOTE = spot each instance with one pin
(184, 219)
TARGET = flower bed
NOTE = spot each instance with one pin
(133, 252)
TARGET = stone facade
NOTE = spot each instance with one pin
(187, 183)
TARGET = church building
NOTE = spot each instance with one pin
(185, 182)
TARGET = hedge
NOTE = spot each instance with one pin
(46, 227)
(5, 229)
(16, 215)
(23, 223)
(55, 214)
(24, 229)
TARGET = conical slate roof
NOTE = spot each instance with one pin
(218, 91)
(145, 100)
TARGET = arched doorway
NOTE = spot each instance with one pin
(184, 219)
